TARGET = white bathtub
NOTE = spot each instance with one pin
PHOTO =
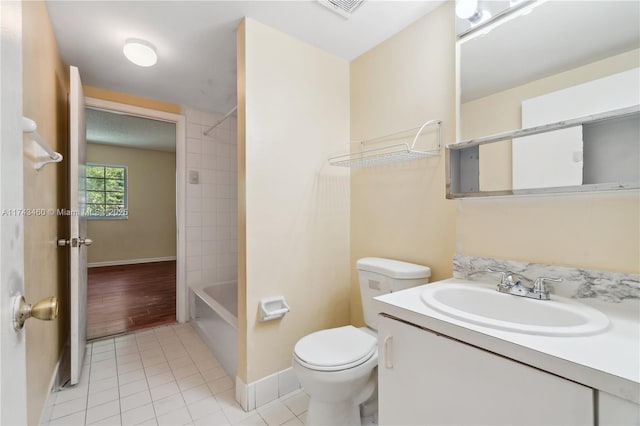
(214, 315)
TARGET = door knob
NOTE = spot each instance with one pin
(46, 310)
(74, 242)
(85, 241)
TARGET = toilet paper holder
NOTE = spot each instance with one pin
(272, 308)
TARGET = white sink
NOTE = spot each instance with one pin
(482, 305)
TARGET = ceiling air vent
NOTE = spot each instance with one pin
(343, 8)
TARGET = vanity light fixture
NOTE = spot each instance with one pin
(140, 52)
(469, 10)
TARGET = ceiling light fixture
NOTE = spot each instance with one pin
(140, 52)
(469, 10)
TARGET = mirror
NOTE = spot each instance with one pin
(548, 62)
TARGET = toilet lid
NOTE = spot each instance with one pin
(336, 348)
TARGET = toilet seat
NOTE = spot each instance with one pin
(335, 349)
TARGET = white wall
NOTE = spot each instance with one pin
(212, 225)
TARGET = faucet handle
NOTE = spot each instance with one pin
(506, 278)
(540, 288)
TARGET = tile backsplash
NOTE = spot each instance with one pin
(577, 283)
(212, 207)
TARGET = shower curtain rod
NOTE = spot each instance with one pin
(206, 133)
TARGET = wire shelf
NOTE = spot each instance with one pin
(389, 153)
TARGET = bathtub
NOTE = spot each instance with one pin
(214, 316)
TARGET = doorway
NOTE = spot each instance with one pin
(134, 188)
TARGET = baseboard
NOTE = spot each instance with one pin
(261, 392)
(130, 261)
(54, 386)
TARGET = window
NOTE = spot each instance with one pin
(106, 191)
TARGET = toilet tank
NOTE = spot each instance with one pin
(379, 276)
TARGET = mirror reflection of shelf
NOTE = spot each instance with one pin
(464, 170)
(392, 151)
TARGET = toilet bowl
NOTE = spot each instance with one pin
(337, 367)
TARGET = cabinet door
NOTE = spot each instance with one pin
(429, 379)
(614, 411)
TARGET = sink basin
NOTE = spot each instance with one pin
(482, 305)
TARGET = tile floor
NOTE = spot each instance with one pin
(162, 376)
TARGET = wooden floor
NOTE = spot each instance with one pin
(130, 297)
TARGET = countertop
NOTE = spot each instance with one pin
(608, 361)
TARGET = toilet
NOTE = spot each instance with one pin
(337, 366)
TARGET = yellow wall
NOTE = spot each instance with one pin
(399, 211)
(150, 229)
(590, 230)
(242, 205)
(296, 113)
(501, 112)
(45, 101)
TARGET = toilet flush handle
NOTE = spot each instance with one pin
(388, 362)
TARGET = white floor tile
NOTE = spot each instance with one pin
(189, 382)
(138, 415)
(99, 374)
(102, 364)
(186, 371)
(133, 387)
(196, 394)
(220, 385)
(150, 422)
(149, 347)
(102, 356)
(254, 420)
(131, 348)
(163, 376)
(213, 373)
(227, 398)
(203, 408)
(275, 413)
(236, 414)
(110, 421)
(124, 359)
(160, 379)
(153, 360)
(102, 349)
(102, 397)
(166, 405)
(69, 394)
(180, 362)
(109, 341)
(104, 384)
(76, 419)
(164, 391)
(129, 367)
(103, 411)
(69, 407)
(134, 401)
(293, 422)
(215, 419)
(176, 417)
(298, 403)
(124, 338)
(154, 370)
(131, 376)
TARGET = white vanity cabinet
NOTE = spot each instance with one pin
(430, 379)
(614, 411)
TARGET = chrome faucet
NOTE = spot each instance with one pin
(507, 285)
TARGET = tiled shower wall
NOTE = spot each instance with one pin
(212, 208)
